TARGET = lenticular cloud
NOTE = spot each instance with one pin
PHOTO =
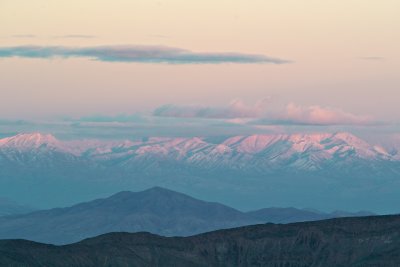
(138, 54)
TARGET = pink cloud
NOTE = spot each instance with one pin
(236, 109)
(263, 113)
(322, 115)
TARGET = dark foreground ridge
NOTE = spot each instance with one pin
(367, 241)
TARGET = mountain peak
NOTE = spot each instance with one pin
(153, 193)
(346, 136)
(305, 151)
(31, 140)
(158, 189)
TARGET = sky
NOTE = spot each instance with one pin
(265, 64)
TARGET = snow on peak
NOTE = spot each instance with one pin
(350, 139)
(30, 140)
(300, 150)
(309, 138)
(362, 148)
(257, 143)
(319, 146)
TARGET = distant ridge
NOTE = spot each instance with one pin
(296, 151)
(8, 207)
(290, 215)
(156, 210)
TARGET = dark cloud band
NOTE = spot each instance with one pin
(139, 54)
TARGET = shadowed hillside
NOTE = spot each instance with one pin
(368, 241)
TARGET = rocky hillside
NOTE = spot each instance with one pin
(368, 241)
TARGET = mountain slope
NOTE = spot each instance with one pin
(287, 215)
(156, 210)
(309, 152)
(8, 207)
(290, 215)
(369, 241)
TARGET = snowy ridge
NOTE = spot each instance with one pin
(298, 151)
(30, 141)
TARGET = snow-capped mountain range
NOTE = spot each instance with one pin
(321, 170)
(308, 152)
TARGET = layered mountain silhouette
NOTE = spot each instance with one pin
(368, 241)
(156, 210)
(290, 215)
(9, 207)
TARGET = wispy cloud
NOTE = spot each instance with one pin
(139, 54)
(236, 109)
(262, 113)
(314, 115)
(12, 122)
(123, 118)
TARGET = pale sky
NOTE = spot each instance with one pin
(344, 56)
